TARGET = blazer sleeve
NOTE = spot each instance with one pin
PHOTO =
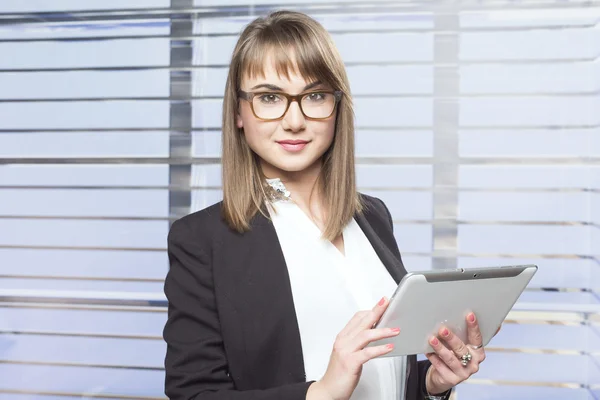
(196, 363)
(423, 365)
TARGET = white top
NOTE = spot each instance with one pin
(328, 288)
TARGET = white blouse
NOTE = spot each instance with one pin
(328, 288)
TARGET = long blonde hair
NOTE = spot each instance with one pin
(315, 57)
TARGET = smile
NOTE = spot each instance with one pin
(293, 145)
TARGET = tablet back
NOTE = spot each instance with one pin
(424, 301)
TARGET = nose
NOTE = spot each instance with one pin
(294, 120)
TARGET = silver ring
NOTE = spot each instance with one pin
(465, 359)
(476, 347)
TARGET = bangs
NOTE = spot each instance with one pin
(291, 52)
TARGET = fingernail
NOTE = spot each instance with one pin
(395, 330)
(389, 346)
(472, 317)
(381, 301)
(434, 341)
(445, 332)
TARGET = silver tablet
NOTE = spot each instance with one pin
(423, 301)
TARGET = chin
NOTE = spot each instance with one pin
(292, 165)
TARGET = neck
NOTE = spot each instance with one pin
(302, 185)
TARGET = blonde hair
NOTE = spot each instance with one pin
(315, 57)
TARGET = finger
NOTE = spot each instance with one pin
(367, 336)
(447, 376)
(447, 356)
(353, 323)
(369, 353)
(454, 343)
(371, 317)
(473, 332)
(352, 327)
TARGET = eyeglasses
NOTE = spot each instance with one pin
(272, 106)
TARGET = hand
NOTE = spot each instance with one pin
(350, 353)
(447, 368)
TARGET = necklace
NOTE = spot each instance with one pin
(280, 193)
(279, 189)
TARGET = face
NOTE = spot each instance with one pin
(294, 145)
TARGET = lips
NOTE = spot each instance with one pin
(293, 145)
(292, 142)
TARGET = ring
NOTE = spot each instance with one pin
(476, 347)
(465, 359)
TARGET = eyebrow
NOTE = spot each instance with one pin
(278, 89)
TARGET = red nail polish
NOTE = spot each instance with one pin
(395, 330)
(434, 342)
(472, 317)
(389, 346)
(445, 332)
(381, 301)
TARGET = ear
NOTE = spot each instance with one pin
(238, 121)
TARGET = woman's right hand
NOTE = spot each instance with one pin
(350, 353)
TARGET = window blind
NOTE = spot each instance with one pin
(477, 123)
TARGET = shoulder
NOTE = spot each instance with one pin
(202, 224)
(375, 208)
(372, 203)
(376, 212)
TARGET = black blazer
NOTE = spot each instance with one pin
(232, 331)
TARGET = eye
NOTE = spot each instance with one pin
(316, 97)
(269, 98)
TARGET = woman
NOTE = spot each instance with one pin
(273, 292)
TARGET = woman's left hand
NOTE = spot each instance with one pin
(456, 361)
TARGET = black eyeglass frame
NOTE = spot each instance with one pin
(249, 97)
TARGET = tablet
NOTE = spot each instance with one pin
(423, 301)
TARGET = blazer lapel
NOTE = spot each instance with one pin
(389, 260)
(259, 290)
